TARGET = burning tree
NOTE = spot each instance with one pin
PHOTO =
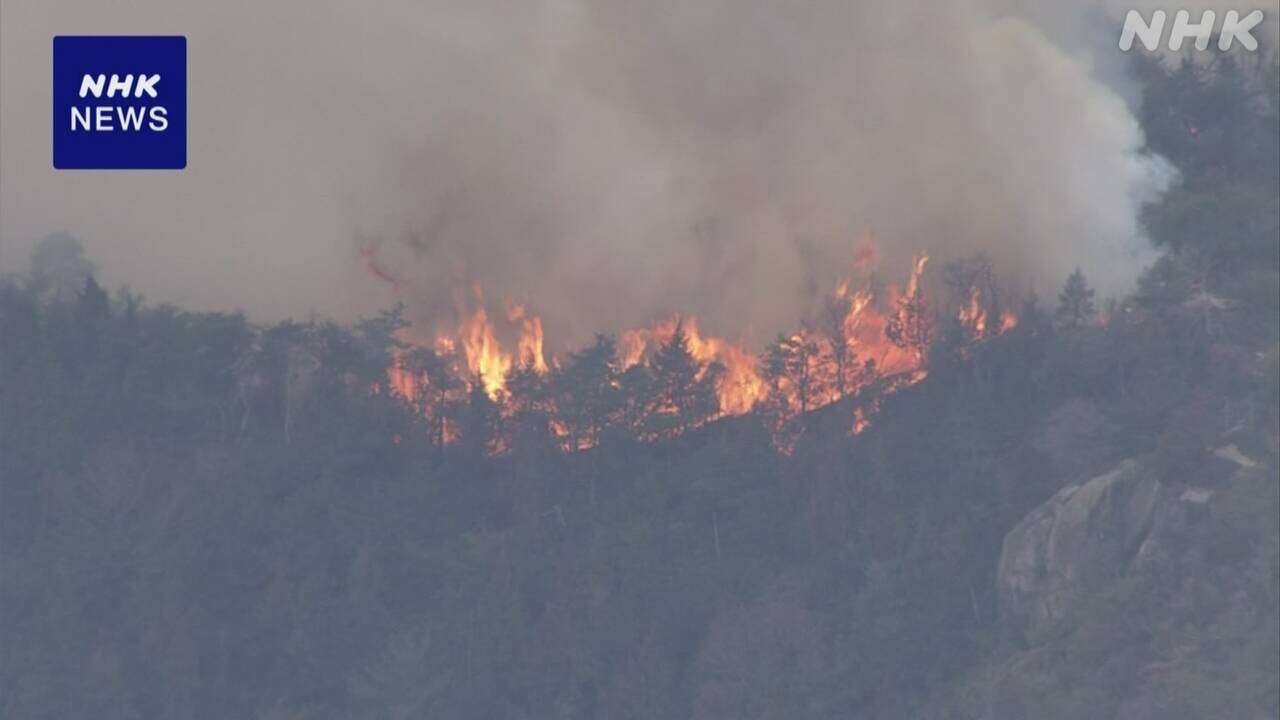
(972, 280)
(911, 326)
(587, 393)
(794, 366)
(684, 391)
(430, 384)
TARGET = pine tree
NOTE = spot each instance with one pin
(1075, 303)
(635, 391)
(684, 390)
(587, 392)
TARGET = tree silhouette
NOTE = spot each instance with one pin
(437, 387)
(1075, 303)
(911, 326)
(59, 267)
(796, 360)
(842, 358)
(480, 421)
(587, 393)
(684, 390)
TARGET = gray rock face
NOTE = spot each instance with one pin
(1142, 598)
(1079, 541)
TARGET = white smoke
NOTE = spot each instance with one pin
(608, 162)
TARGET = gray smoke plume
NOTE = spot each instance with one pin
(608, 162)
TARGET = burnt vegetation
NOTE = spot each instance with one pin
(203, 517)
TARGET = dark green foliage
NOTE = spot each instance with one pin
(1219, 125)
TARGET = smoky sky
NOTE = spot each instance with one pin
(608, 162)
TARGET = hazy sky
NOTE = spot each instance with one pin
(608, 161)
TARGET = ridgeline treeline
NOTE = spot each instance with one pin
(198, 519)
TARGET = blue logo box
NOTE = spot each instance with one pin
(119, 102)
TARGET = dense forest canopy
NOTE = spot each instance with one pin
(203, 516)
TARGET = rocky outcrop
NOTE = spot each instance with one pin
(1079, 541)
(1137, 597)
(1087, 536)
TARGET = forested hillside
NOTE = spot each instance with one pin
(206, 517)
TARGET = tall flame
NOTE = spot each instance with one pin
(485, 357)
(529, 346)
(917, 270)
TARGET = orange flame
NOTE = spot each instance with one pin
(876, 335)
(869, 327)
(485, 357)
(631, 347)
(741, 385)
(529, 347)
(917, 269)
(860, 421)
(974, 315)
(402, 382)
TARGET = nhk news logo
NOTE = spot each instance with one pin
(119, 102)
(1234, 28)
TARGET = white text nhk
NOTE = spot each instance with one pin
(1233, 28)
(108, 118)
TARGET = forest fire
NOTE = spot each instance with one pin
(483, 358)
(738, 389)
(869, 334)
